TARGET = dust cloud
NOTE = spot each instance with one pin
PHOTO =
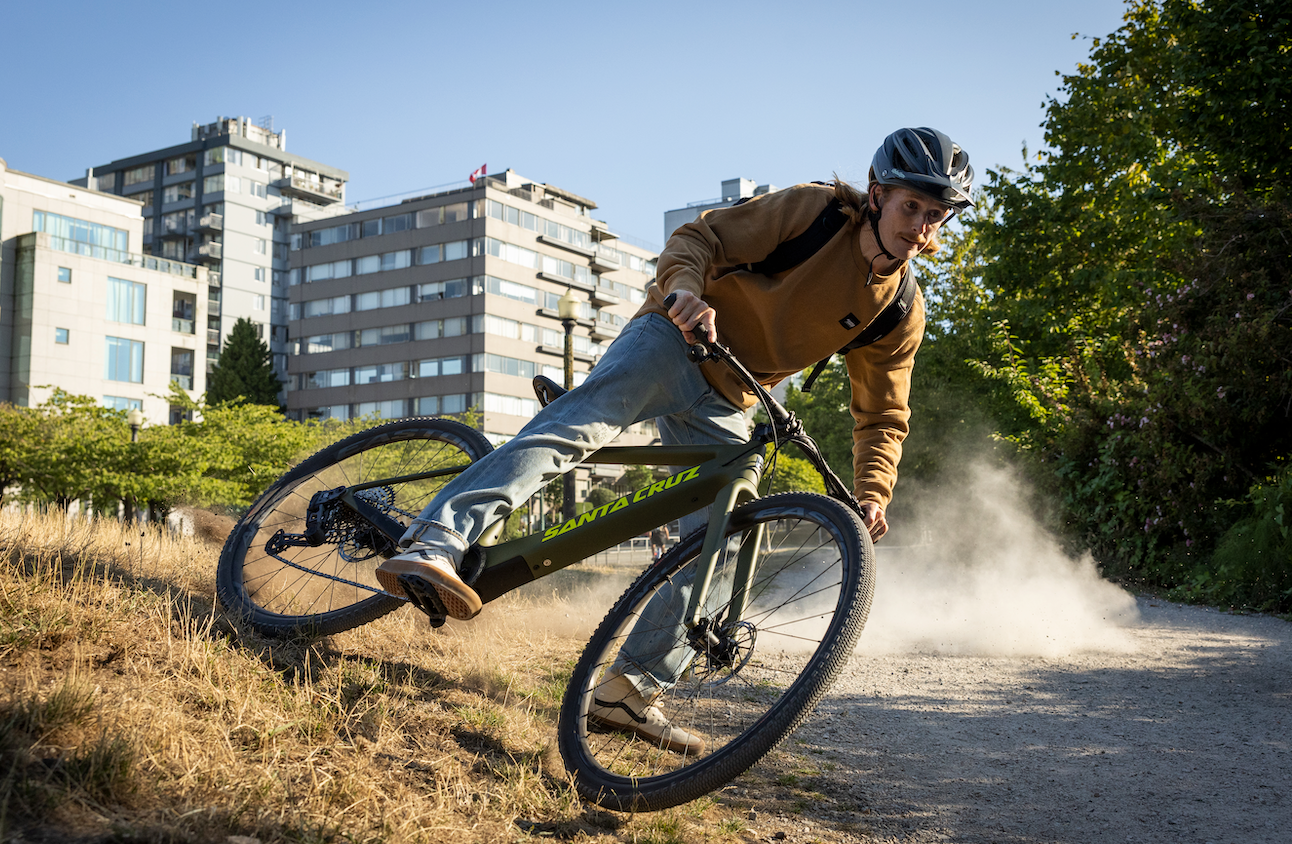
(975, 574)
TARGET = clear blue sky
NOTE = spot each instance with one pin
(641, 107)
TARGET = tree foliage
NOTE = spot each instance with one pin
(245, 370)
(1125, 301)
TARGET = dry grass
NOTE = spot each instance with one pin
(132, 708)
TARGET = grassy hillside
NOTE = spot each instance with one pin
(132, 708)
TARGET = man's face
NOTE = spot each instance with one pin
(910, 220)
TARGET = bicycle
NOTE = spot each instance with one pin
(765, 604)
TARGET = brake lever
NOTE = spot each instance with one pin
(702, 349)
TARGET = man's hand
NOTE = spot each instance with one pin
(872, 515)
(690, 310)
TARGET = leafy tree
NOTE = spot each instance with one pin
(1130, 322)
(245, 369)
(17, 434)
(793, 474)
(74, 451)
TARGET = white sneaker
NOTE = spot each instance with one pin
(459, 599)
(617, 705)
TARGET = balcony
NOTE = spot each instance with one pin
(213, 278)
(185, 381)
(171, 228)
(600, 232)
(310, 190)
(213, 307)
(603, 331)
(606, 260)
(183, 326)
(209, 252)
(211, 222)
(213, 336)
(561, 244)
(601, 297)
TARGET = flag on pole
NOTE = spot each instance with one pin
(477, 174)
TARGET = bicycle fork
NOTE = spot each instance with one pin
(704, 634)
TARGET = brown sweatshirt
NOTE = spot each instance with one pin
(782, 324)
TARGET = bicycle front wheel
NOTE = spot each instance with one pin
(325, 589)
(741, 684)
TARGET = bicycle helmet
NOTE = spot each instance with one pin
(927, 161)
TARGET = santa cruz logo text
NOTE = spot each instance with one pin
(616, 506)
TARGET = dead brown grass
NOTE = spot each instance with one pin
(132, 708)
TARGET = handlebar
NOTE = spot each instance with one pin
(784, 423)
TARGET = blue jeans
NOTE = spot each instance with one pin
(644, 374)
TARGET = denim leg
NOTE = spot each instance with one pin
(645, 373)
(652, 656)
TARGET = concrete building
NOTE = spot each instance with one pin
(83, 310)
(226, 200)
(733, 190)
(446, 302)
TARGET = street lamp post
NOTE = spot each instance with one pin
(135, 418)
(568, 309)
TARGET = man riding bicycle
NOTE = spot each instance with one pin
(777, 325)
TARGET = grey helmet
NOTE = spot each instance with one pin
(927, 161)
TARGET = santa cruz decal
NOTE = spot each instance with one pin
(627, 500)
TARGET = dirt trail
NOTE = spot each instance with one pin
(1177, 729)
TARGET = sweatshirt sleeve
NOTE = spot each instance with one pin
(881, 387)
(742, 234)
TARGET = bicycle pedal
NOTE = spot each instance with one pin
(422, 595)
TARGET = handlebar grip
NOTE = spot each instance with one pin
(699, 352)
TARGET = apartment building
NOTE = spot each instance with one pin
(226, 200)
(82, 309)
(446, 302)
(733, 190)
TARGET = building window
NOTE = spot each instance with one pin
(397, 223)
(451, 289)
(126, 301)
(257, 189)
(444, 214)
(181, 164)
(68, 234)
(262, 219)
(60, 336)
(122, 403)
(380, 373)
(326, 378)
(259, 273)
(258, 302)
(65, 275)
(510, 405)
(144, 196)
(125, 360)
(393, 409)
(381, 299)
(221, 182)
(321, 343)
(335, 234)
(336, 411)
(177, 193)
(181, 367)
(382, 336)
(262, 247)
(442, 405)
(223, 155)
(138, 175)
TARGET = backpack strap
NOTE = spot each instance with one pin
(799, 248)
(879, 327)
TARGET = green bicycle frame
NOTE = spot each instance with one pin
(724, 475)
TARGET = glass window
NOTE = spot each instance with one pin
(122, 403)
(453, 404)
(455, 213)
(371, 228)
(69, 234)
(397, 260)
(430, 254)
(138, 175)
(397, 223)
(512, 290)
(126, 301)
(335, 234)
(60, 336)
(367, 264)
(380, 373)
(181, 164)
(392, 409)
(451, 289)
(335, 411)
(177, 193)
(125, 360)
(455, 250)
(326, 378)
(213, 184)
(65, 275)
(510, 405)
(326, 307)
(144, 196)
(383, 336)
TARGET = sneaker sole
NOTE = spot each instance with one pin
(458, 607)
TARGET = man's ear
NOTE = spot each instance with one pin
(874, 195)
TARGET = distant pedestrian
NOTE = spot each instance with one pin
(659, 538)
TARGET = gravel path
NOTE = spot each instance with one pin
(1170, 725)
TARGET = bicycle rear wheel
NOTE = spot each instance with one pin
(752, 682)
(318, 591)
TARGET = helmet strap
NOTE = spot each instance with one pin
(874, 227)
